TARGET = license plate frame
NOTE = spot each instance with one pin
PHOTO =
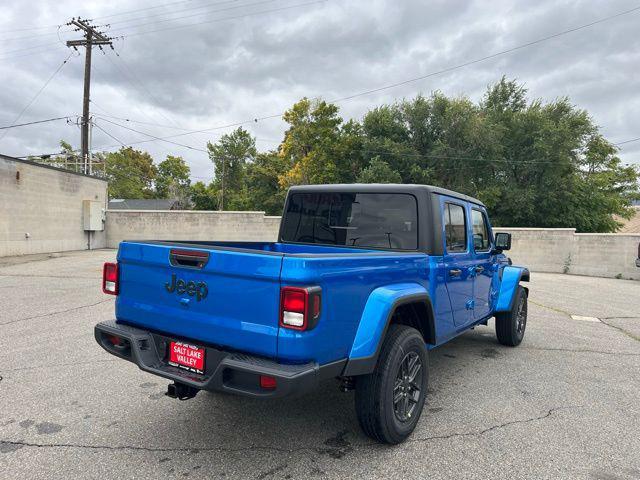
(187, 357)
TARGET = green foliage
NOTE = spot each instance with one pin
(230, 155)
(311, 143)
(379, 171)
(533, 164)
(130, 174)
(172, 180)
(204, 197)
(263, 183)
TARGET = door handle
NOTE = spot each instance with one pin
(455, 272)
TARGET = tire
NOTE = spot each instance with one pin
(510, 326)
(379, 417)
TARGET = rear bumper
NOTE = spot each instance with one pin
(225, 371)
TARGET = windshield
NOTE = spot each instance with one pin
(377, 220)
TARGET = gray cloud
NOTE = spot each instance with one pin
(224, 71)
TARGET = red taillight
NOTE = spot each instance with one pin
(299, 307)
(267, 382)
(294, 300)
(110, 278)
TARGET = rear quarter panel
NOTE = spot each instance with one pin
(347, 282)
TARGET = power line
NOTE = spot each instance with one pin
(34, 123)
(142, 9)
(39, 51)
(140, 83)
(35, 97)
(367, 92)
(108, 134)
(487, 57)
(627, 141)
(155, 137)
(174, 12)
(165, 20)
(8, 52)
(222, 19)
(42, 27)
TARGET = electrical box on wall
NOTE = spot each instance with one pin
(92, 215)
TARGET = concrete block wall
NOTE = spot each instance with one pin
(45, 203)
(189, 225)
(557, 250)
(562, 250)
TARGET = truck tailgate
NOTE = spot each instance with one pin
(233, 300)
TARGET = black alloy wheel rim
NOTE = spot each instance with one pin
(407, 387)
(521, 315)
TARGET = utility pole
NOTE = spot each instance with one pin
(92, 37)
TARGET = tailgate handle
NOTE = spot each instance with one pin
(188, 258)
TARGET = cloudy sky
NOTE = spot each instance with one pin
(190, 65)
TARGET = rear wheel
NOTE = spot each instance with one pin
(510, 326)
(389, 401)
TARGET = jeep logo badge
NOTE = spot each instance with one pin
(191, 288)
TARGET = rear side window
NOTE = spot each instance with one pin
(455, 227)
(375, 220)
(480, 230)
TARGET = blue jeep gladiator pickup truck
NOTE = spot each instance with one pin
(362, 282)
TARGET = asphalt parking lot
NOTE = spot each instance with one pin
(565, 404)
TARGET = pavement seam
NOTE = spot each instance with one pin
(620, 329)
(9, 275)
(56, 365)
(582, 350)
(549, 413)
(602, 320)
(56, 313)
(195, 450)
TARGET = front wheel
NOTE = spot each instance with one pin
(389, 401)
(510, 326)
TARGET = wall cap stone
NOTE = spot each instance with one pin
(208, 212)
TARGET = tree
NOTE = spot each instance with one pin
(552, 168)
(204, 197)
(229, 156)
(310, 143)
(130, 173)
(262, 183)
(379, 171)
(172, 180)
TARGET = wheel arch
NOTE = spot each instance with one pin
(510, 278)
(413, 308)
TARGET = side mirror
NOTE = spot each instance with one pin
(503, 241)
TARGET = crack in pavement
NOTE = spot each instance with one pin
(620, 329)
(195, 450)
(602, 320)
(494, 427)
(582, 350)
(27, 275)
(55, 365)
(56, 313)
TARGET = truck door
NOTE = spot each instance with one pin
(458, 259)
(482, 262)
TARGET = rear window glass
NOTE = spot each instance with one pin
(377, 220)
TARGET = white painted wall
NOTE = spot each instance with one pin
(562, 250)
(558, 250)
(189, 225)
(46, 203)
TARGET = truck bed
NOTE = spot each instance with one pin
(243, 280)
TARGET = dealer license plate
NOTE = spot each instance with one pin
(188, 357)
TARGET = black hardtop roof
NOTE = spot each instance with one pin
(382, 188)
